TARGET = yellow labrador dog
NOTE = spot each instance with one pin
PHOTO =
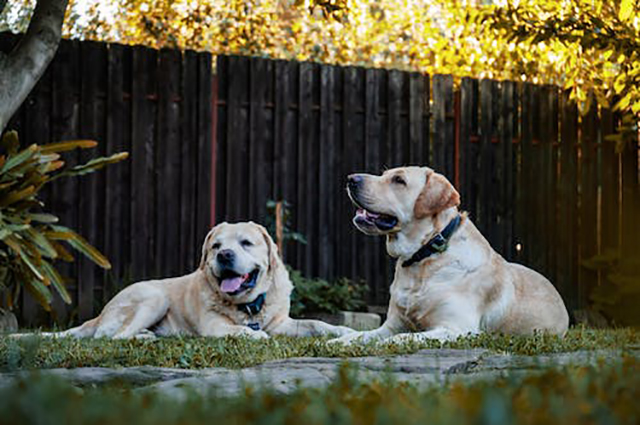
(448, 280)
(241, 288)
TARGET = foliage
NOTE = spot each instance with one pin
(30, 239)
(583, 45)
(619, 294)
(234, 352)
(288, 234)
(318, 295)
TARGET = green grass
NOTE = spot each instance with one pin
(195, 353)
(605, 394)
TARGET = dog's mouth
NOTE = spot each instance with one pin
(233, 283)
(367, 218)
(383, 222)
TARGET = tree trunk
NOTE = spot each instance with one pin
(21, 69)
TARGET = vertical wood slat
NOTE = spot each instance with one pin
(327, 172)
(117, 225)
(588, 234)
(610, 201)
(468, 156)
(443, 143)
(143, 134)
(526, 195)
(305, 217)
(259, 189)
(509, 117)
(485, 168)
(568, 206)
(65, 69)
(203, 178)
(190, 240)
(91, 126)
(167, 164)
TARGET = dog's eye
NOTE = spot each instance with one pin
(399, 180)
(246, 242)
(215, 245)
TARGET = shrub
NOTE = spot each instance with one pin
(318, 295)
(30, 238)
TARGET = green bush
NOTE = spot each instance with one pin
(30, 238)
(320, 296)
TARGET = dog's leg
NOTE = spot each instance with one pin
(233, 330)
(439, 334)
(124, 322)
(390, 327)
(297, 328)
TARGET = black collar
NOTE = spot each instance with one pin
(254, 306)
(438, 243)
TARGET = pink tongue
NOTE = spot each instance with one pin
(233, 284)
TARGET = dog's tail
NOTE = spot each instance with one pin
(85, 330)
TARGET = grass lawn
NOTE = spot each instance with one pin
(196, 353)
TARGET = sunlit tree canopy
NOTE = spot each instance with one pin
(584, 45)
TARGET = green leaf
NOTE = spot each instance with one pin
(81, 245)
(43, 218)
(56, 281)
(40, 292)
(19, 158)
(93, 165)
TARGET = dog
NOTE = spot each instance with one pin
(448, 280)
(240, 288)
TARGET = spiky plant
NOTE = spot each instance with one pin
(30, 238)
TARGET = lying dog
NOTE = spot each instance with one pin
(448, 280)
(241, 288)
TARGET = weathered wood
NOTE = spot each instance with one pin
(167, 164)
(588, 233)
(259, 187)
(325, 215)
(93, 80)
(190, 241)
(305, 216)
(443, 131)
(203, 200)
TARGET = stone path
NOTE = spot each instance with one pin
(422, 368)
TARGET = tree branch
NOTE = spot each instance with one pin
(24, 66)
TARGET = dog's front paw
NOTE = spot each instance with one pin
(258, 335)
(353, 338)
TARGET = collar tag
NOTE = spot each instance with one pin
(436, 245)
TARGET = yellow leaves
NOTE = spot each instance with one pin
(626, 9)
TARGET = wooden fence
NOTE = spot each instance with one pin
(150, 213)
(537, 178)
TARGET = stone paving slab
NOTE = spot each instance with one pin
(423, 368)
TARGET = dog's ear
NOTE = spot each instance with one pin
(274, 256)
(207, 242)
(437, 195)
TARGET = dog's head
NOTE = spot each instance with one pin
(399, 198)
(238, 259)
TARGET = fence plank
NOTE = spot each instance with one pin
(468, 156)
(190, 241)
(142, 161)
(93, 78)
(205, 98)
(443, 139)
(118, 138)
(65, 69)
(568, 206)
(305, 217)
(327, 173)
(168, 164)
(588, 239)
(610, 202)
(259, 188)
(417, 145)
(509, 116)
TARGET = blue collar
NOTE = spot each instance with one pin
(437, 244)
(254, 307)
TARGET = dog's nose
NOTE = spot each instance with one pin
(226, 257)
(354, 180)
